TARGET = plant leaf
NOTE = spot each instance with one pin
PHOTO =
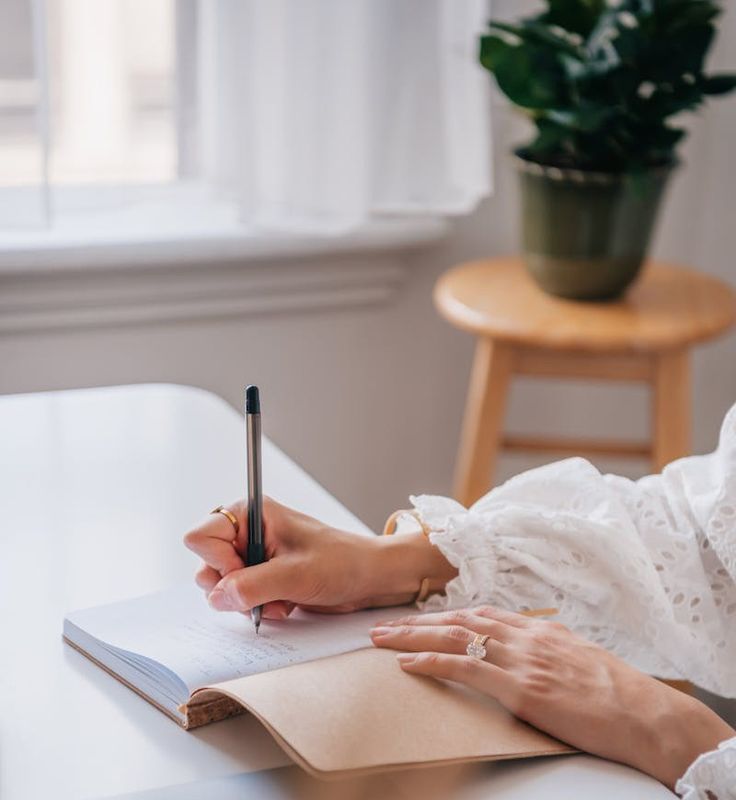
(528, 75)
(579, 16)
(722, 83)
(580, 119)
(550, 137)
(683, 14)
(533, 32)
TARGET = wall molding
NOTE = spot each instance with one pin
(159, 294)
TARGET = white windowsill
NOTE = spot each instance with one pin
(120, 264)
(104, 228)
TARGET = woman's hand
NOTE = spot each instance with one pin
(570, 688)
(310, 564)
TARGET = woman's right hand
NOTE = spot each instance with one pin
(310, 564)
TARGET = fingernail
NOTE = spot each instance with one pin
(220, 601)
(406, 659)
(379, 631)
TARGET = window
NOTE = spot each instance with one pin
(107, 113)
(175, 120)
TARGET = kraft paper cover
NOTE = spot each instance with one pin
(359, 712)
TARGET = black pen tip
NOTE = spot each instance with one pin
(252, 400)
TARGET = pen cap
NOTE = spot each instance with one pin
(252, 400)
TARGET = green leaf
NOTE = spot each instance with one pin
(601, 48)
(718, 84)
(528, 75)
(690, 46)
(663, 103)
(676, 16)
(579, 16)
(492, 52)
(550, 137)
(672, 55)
(661, 138)
(533, 32)
(580, 119)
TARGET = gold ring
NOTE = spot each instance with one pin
(477, 648)
(229, 514)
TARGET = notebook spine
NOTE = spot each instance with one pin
(209, 709)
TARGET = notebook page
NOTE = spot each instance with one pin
(177, 629)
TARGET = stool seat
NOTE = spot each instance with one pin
(669, 307)
(645, 337)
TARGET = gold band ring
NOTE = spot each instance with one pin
(477, 649)
(229, 514)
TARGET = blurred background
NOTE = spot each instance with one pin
(151, 228)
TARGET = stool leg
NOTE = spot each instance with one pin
(482, 425)
(671, 424)
(671, 409)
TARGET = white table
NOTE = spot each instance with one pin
(96, 488)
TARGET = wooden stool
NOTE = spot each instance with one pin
(644, 337)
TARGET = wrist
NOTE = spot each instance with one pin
(400, 563)
(672, 740)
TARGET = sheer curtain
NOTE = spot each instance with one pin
(318, 114)
(301, 115)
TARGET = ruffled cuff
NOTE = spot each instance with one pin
(712, 776)
(450, 529)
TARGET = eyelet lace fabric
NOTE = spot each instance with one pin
(711, 776)
(646, 569)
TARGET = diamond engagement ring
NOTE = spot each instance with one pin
(476, 648)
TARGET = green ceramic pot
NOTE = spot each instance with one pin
(585, 234)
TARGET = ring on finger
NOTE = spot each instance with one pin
(229, 514)
(477, 648)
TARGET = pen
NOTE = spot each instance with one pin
(255, 553)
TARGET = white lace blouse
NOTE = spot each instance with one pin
(645, 568)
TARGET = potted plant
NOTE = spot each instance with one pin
(601, 81)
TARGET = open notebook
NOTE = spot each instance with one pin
(332, 701)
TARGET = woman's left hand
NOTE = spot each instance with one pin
(562, 684)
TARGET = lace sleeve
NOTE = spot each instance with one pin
(712, 776)
(646, 569)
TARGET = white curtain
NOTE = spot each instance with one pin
(315, 115)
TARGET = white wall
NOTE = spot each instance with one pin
(370, 399)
